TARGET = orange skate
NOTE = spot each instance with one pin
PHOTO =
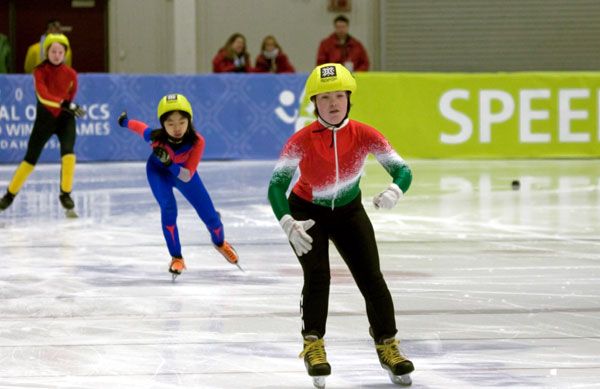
(177, 266)
(229, 253)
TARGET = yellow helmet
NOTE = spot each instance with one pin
(174, 102)
(55, 38)
(329, 77)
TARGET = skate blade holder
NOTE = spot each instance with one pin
(239, 267)
(319, 381)
(403, 379)
(71, 214)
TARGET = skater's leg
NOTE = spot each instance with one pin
(355, 240)
(314, 303)
(162, 189)
(66, 135)
(43, 129)
(195, 192)
(20, 176)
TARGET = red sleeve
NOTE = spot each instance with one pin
(222, 64)
(261, 65)
(137, 126)
(322, 55)
(196, 155)
(285, 65)
(363, 59)
(73, 90)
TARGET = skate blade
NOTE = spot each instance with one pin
(403, 380)
(319, 382)
(71, 214)
(174, 276)
(239, 267)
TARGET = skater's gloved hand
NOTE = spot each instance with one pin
(123, 120)
(296, 232)
(388, 198)
(72, 108)
(162, 155)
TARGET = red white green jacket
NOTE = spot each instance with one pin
(331, 163)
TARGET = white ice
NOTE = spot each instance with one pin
(493, 287)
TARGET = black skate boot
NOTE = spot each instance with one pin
(6, 200)
(392, 360)
(315, 360)
(68, 204)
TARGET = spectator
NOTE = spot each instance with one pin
(233, 57)
(272, 59)
(341, 47)
(55, 87)
(35, 56)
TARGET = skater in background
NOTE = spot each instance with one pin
(55, 87)
(233, 57)
(272, 59)
(176, 151)
(35, 54)
(325, 204)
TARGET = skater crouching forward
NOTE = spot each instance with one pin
(177, 150)
(325, 204)
(55, 88)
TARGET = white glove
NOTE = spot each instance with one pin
(296, 232)
(388, 198)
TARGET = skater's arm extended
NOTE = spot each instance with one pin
(136, 126)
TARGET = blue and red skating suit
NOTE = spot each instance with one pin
(53, 84)
(181, 174)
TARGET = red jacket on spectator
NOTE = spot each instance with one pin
(331, 50)
(282, 64)
(223, 63)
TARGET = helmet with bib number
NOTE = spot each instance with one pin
(329, 77)
(174, 102)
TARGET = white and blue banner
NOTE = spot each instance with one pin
(241, 116)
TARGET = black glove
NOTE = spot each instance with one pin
(72, 108)
(123, 119)
(162, 155)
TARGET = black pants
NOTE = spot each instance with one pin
(351, 231)
(44, 127)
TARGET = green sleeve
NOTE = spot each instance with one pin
(280, 181)
(401, 174)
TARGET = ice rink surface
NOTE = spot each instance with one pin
(493, 287)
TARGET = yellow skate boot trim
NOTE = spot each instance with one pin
(314, 351)
(20, 176)
(228, 252)
(392, 360)
(177, 266)
(67, 172)
(315, 357)
(389, 352)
